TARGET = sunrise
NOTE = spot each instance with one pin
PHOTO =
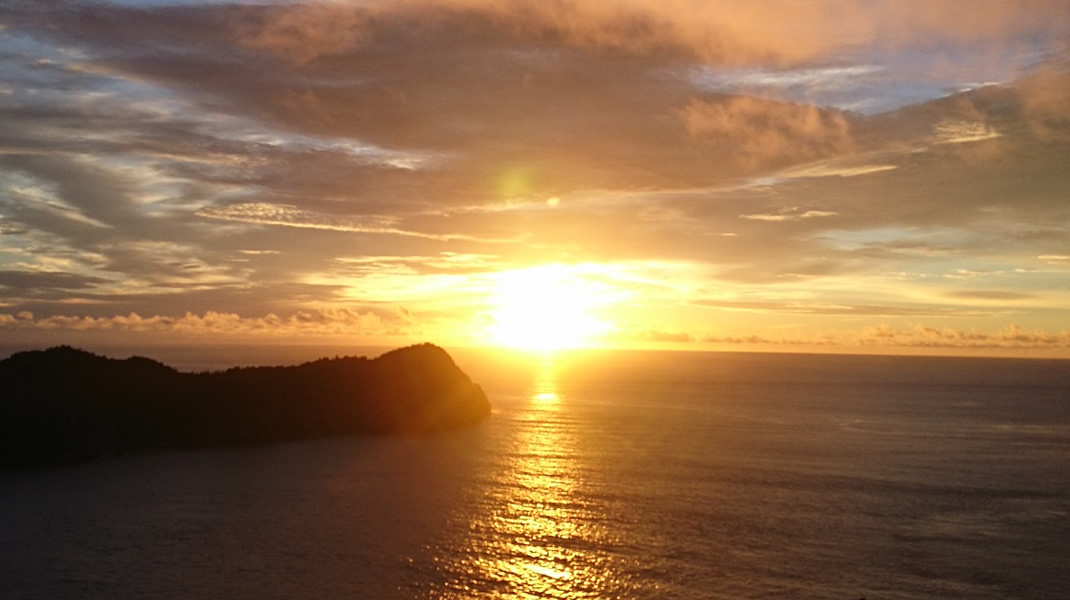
(520, 299)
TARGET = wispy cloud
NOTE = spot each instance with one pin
(793, 213)
(959, 132)
(262, 213)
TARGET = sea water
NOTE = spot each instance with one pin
(598, 475)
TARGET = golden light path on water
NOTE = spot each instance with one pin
(541, 535)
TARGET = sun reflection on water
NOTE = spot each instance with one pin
(545, 381)
(541, 534)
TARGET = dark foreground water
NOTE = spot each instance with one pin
(624, 475)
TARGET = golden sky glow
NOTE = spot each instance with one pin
(847, 175)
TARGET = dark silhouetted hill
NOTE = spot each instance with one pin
(65, 405)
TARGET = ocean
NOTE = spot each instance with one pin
(667, 475)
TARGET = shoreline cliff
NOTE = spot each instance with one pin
(64, 405)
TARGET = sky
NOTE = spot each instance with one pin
(815, 175)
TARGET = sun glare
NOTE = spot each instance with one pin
(546, 308)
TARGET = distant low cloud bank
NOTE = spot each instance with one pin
(344, 325)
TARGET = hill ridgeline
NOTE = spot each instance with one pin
(64, 405)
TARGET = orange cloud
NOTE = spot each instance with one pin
(1045, 100)
(758, 130)
(304, 32)
(727, 32)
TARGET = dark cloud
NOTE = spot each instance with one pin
(46, 283)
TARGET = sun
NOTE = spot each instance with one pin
(546, 308)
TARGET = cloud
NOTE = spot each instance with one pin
(1045, 99)
(793, 213)
(920, 335)
(736, 32)
(833, 169)
(44, 280)
(960, 132)
(649, 336)
(758, 340)
(268, 158)
(322, 322)
(816, 307)
(443, 262)
(990, 295)
(303, 32)
(761, 131)
(1055, 259)
(262, 213)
